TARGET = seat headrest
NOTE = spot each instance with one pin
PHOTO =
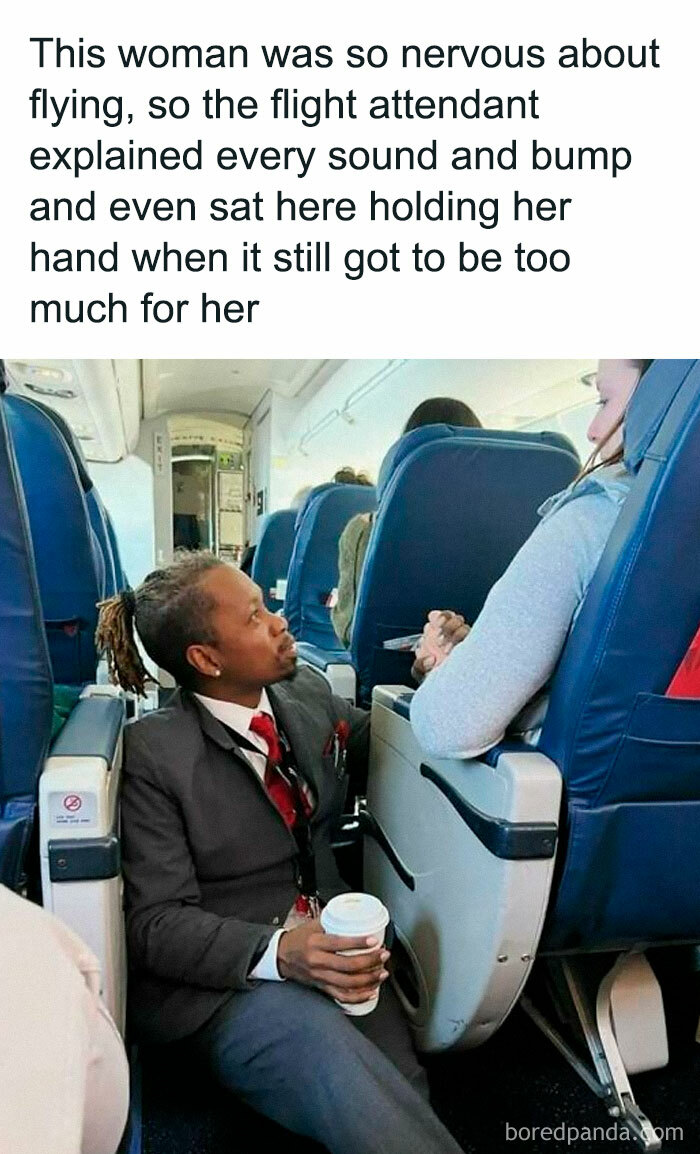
(409, 442)
(405, 445)
(310, 498)
(70, 563)
(650, 403)
(25, 673)
(71, 440)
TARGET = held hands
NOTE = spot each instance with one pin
(441, 632)
(308, 955)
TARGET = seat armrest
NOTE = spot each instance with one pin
(462, 854)
(92, 730)
(79, 834)
(335, 665)
(322, 658)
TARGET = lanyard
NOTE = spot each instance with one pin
(305, 862)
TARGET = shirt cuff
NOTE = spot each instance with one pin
(266, 969)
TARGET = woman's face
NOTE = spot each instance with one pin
(615, 382)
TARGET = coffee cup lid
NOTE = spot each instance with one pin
(351, 915)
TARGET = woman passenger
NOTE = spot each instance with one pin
(64, 1078)
(497, 667)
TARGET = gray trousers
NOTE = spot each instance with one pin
(352, 1084)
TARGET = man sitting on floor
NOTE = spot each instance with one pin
(229, 800)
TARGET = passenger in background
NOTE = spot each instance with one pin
(352, 546)
(64, 1078)
(344, 476)
(348, 476)
(483, 677)
(300, 496)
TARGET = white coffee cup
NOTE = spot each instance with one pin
(356, 916)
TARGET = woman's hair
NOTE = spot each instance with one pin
(348, 476)
(595, 461)
(442, 411)
(170, 611)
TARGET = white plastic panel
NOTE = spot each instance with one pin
(78, 799)
(637, 1016)
(341, 678)
(472, 924)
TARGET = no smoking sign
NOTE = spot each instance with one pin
(72, 808)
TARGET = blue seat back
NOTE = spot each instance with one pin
(629, 755)
(96, 510)
(273, 553)
(313, 567)
(454, 509)
(69, 561)
(409, 442)
(25, 673)
(310, 498)
(120, 576)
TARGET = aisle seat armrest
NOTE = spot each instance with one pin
(92, 730)
(322, 658)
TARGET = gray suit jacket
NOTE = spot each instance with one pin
(208, 861)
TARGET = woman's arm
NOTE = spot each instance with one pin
(464, 706)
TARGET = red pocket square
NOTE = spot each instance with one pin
(338, 740)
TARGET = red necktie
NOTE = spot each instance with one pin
(275, 783)
(281, 793)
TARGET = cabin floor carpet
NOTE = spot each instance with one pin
(516, 1080)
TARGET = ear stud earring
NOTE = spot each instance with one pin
(217, 673)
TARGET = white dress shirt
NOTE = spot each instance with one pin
(238, 718)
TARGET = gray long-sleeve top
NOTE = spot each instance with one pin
(465, 705)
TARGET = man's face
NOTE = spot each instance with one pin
(253, 647)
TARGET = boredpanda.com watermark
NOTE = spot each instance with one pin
(571, 1135)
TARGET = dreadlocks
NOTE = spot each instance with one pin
(170, 612)
(115, 638)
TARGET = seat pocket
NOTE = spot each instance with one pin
(632, 874)
(658, 758)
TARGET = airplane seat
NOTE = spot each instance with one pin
(25, 675)
(454, 506)
(120, 576)
(408, 442)
(313, 575)
(583, 850)
(79, 837)
(72, 778)
(99, 518)
(310, 498)
(69, 561)
(272, 555)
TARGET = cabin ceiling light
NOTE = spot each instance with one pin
(48, 375)
(50, 391)
(44, 380)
